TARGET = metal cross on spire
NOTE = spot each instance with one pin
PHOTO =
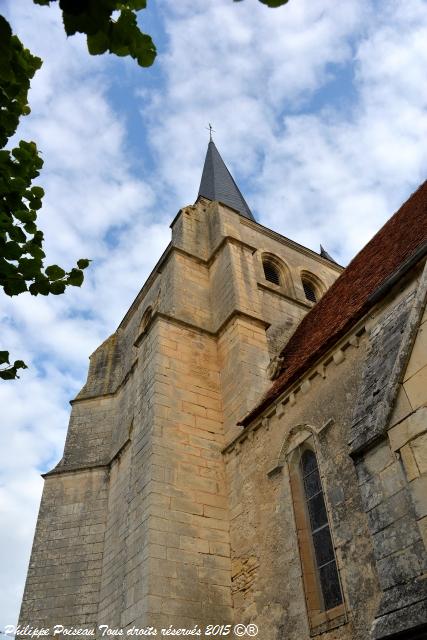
(211, 130)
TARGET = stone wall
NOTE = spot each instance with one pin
(143, 451)
(376, 497)
(64, 576)
(266, 567)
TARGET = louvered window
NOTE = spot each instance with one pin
(309, 291)
(271, 272)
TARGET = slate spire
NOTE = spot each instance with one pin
(326, 255)
(217, 183)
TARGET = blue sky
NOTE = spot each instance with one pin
(320, 112)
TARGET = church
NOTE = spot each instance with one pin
(248, 455)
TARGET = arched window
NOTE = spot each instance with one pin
(319, 568)
(320, 532)
(312, 285)
(271, 271)
(275, 271)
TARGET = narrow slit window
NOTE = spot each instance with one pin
(271, 272)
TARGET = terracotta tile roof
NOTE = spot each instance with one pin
(350, 297)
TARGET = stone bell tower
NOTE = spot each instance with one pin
(133, 527)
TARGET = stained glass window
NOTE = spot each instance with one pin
(321, 535)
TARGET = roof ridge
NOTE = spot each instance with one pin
(352, 294)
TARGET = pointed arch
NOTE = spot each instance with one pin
(321, 580)
(297, 434)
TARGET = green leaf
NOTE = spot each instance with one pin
(7, 270)
(5, 30)
(57, 288)
(75, 278)
(274, 3)
(29, 267)
(38, 238)
(22, 255)
(30, 227)
(98, 43)
(16, 233)
(34, 250)
(41, 285)
(25, 215)
(14, 286)
(137, 5)
(10, 373)
(4, 156)
(36, 203)
(11, 251)
(54, 272)
(37, 192)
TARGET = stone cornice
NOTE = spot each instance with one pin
(72, 469)
(279, 292)
(292, 244)
(110, 394)
(158, 315)
(335, 355)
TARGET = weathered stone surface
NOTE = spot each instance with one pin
(158, 512)
(372, 404)
(414, 424)
(411, 619)
(389, 540)
(389, 510)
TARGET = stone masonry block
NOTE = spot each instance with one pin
(389, 510)
(419, 495)
(402, 566)
(397, 535)
(409, 462)
(418, 358)
(414, 425)
(392, 479)
(416, 388)
(419, 450)
(401, 408)
(378, 458)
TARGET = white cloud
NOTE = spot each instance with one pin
(92, 193)
(348, 171)
(329, 174)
